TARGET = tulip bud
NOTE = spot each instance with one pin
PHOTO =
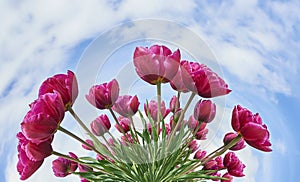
(205, 111)
(234, 166)
(200, 154)
(100, 125)
(126, 105)
(174, 104)
(63, 167)
(124, 124)
(90, 142)
(231, 136)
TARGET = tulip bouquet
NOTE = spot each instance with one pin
(166, 148)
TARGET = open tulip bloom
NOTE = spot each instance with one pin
(166, 148)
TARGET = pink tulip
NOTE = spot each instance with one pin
(63, 167)
(205, 111)
(25, 166)
(65, 85)
(174, 104)
(42, 121)
(228, 176)
(156, 64)
(234, 166)
(152, 108)
(200, 79)
(126, 105)
(124, 124)
(200, 154)
(34, 152)
(250, 126)
(104, 96)
(100, 125)
(90, 142)
(193, 125)
(231, 136)
(193, 146)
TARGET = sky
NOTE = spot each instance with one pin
(256, 45)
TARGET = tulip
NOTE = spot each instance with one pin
(25, 166)
(228, 176)
(63, 167)
(34, 152)
(65, 85)
(193, 146)
(152, 109)
(126, 105)
(156, 64)
(231, 136)
(205, 111)
(234, 166)
(200, 154)
(90, 142)
(104, 96)
(100, 125)
(44, 117)
(199, 79)
(174, 104)
(250, 126)
(124, 124)
(200, 131)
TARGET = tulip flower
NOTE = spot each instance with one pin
(250, 126)
(42, 121)
(25, 166)
(63, 167)
(193, 146)
(234, 166)
(156, 64)
(34, 152)
(174, 104)
(65, 85)
(100, 125)
(104, 96)
(193, 125)
(90, 142)
(200, 79)
(205, 111)
(124, 124)
(126, 105)
(200, 154)
(231, 136)
(228, 176)
(152, 108)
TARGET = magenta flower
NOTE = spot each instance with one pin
(229, 137)
(126, 105)
(34, 152)
(250, 126)
(200, 79)
(177, 83)
(228, 176)
(205, 111)
(104, 96)
(25, 166)
(234, 166)
(124, 124)
(63, 167)
(193, 146)
(174, 104)
(156, 64)
(100, 125)
(200, 154)
(44, 117)
(193, 125)
(152, 109)
(65, 85)
(90, 142)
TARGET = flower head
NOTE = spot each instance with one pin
(156, 64)
(177, 83)
(152, 108)
(231, 136)
(200, 154)
(174, 104)
(228, 176)
(250, 126)
(63, 167)
(100, 125)
(200, 79)
(205, 111)
(104, 96)
(124, 124)
(234, 166)
(126, 105)
(65, 84)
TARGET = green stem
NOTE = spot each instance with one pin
(158, 91)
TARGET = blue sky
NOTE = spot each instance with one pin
(256, 43)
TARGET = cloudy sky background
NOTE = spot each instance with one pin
(256, 43)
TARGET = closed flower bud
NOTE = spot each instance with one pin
(205, 111)
(152, 109)
(234, 166)
(63, 167)
(228, 176)
(126, 105)
(193, 146)
(100, 125)
(90, 142)
(124, 124)
(200, 154)
(104, 96)
(174, 104)
(229, 137)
